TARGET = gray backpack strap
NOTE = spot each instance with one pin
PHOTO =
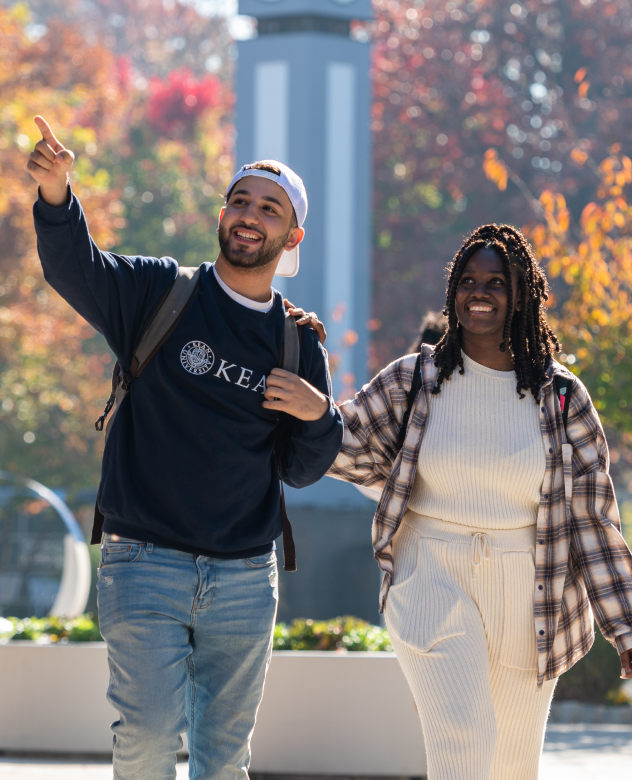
(291, 346)
(166, 317)
(165, 320)
(289, 360)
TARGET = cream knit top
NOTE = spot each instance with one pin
(482, 458)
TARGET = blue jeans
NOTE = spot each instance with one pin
(189, 642)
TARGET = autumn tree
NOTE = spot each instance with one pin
(153, 152)
(52, 371)
(543, 83)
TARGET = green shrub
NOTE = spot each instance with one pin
(341, 633)
(54, 629)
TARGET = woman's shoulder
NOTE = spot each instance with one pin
(579, 395)
(401, 371)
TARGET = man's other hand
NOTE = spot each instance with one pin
(49, 164)
(286, 392)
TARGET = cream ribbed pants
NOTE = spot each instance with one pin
(460, 616)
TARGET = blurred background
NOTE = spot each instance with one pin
(483, 111)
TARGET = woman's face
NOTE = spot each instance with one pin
(482, 295)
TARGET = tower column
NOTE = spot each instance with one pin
(303, 98)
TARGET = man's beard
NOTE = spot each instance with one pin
(240, 258)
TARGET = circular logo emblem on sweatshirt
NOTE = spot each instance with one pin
(197, 357)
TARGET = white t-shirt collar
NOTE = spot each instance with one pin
(247, 302)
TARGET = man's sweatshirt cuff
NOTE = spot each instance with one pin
(317, 429)
(52, 215)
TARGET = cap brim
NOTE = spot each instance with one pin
(288, 264)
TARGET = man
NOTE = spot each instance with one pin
(190, 487)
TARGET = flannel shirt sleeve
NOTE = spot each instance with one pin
(597, 546)
(372, 421)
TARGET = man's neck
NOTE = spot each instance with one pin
(255, 284)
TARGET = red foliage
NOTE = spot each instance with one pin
(177, 101)
(124, 71)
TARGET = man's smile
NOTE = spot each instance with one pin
(247, 236)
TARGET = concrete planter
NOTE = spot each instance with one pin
(322, 713)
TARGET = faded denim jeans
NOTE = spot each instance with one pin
(189, 642)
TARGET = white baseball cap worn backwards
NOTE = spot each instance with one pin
(294, 188)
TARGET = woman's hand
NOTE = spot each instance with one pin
(307, 318)
(626, 665)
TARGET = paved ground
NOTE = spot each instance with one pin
(576, 752)
(571, 752)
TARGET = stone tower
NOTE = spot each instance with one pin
(303, 97)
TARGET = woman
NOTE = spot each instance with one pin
(497, 528)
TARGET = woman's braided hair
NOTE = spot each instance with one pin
(526, 332)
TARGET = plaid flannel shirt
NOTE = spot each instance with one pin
(582, 562)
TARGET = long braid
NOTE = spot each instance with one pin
(526, 331)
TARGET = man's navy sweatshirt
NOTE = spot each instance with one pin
(189, 462)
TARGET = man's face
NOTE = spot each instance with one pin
(254, 226)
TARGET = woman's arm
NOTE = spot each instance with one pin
(372, 423)
(597, 546)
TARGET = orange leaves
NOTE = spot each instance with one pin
(578, 156)
(350, 338)
(582, 91)
(555, 212)
(590, 218)
(616, 172)
(580, 75)
(495, 169)
(597, 311)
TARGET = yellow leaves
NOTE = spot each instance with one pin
(495, 169)
(600, 316)
(555, 212)
(578, 156)
(590, 218)
(598, 267)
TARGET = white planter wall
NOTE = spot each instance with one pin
(322, 713)
(326, 713)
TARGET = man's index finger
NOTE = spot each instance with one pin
(47, 134)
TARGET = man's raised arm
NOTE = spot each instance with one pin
(114, 293)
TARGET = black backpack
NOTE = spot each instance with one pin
(165, 320)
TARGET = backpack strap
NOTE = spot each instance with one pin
(410, 400)
(291, 345)
(289, 359)
(166, 318)
(563, 390)
(164, 321)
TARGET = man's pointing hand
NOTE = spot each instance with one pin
(49, 164)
